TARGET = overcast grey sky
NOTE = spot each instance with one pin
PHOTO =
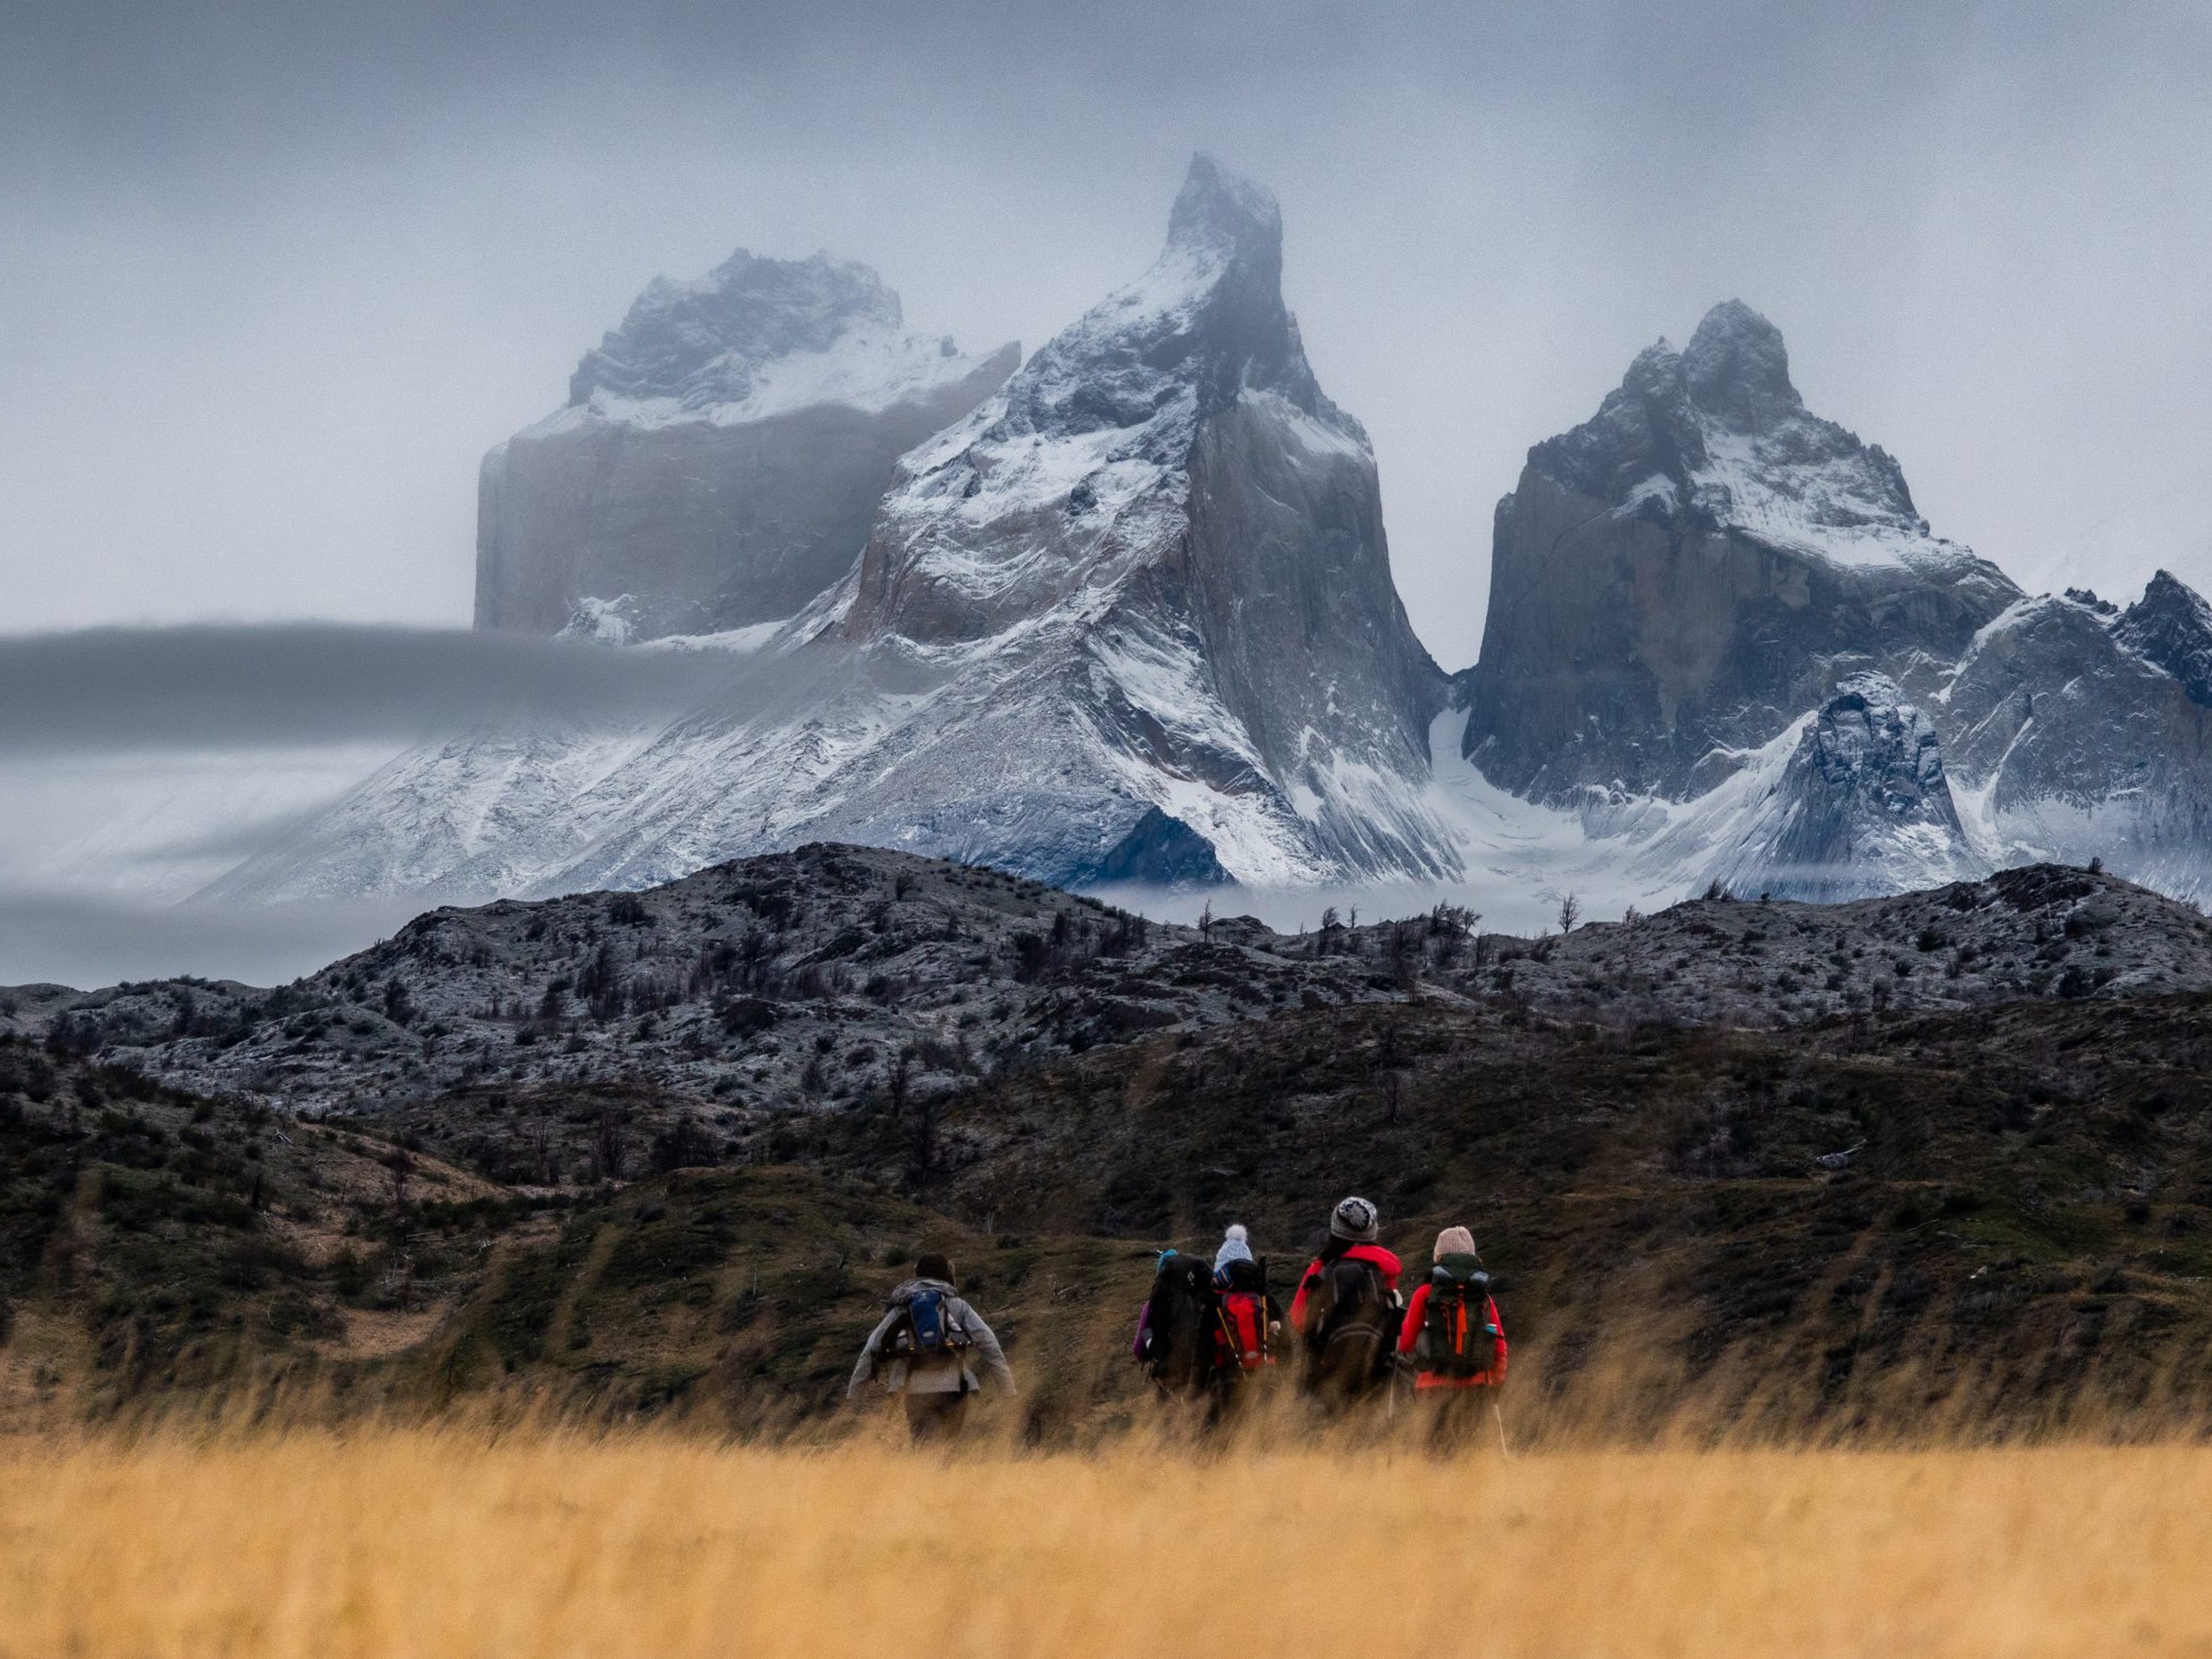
(272, 278)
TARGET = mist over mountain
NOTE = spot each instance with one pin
(1126, 616)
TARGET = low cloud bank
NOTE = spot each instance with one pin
(217, 687)
(137, 764)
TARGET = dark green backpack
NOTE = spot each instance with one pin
(1458, 1336)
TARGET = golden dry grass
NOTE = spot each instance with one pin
(420, 1542)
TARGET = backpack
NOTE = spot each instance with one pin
(929, 1329)
(1354, 1330)
(1183, 1322)
(1458, 1337)
(1241, 1331)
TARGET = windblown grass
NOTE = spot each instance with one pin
(422, 1542)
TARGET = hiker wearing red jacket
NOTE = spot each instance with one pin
(1347, 1311)
(1455, 1338)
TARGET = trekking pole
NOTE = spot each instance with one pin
(1504, 1451)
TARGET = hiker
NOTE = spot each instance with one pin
(1207, 1330)
(1177, 1342)
(1250, 1325)
(1347, 1310)
(923, 1346)
(1456, 1339)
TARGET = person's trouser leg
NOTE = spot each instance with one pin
(1455, 1417)
(935, 1416)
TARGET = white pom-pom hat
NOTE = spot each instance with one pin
(1233, 1248)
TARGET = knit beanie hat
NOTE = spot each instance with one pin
(1233, 1248)
(1453, 1241)
(1356, 1219)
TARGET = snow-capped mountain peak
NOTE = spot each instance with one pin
(1681, 575)
(1090, 442)
(720, 455)
(701, 342)
(1862, 807)
(756, 337)
(1717, 433)
(1132, 618)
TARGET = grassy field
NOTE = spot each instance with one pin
(441, 1543)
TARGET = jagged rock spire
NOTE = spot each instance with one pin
(1226, 214)
(2172, 625)
(1737, 369)
(1671, 577)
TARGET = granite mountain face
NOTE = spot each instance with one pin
(1722, 638)
(1131, 618)
(1680, 577)
(721, 455)
(1164, 541)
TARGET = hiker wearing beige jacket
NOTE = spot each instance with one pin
(925, 1349)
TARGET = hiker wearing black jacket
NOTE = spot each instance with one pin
(924, 1349)
(1347, 1312)
(1207, 1330)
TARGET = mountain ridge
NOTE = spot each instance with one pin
(714, 1120)
(1131, 618)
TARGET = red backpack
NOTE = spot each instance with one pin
(1241, 1335)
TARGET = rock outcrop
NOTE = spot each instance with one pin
(1676, 580)
(2077, 745)
(721, 457)
(2171, 626)
(1861, 809)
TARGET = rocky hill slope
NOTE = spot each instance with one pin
(721, 455)
(1964, 1182)
(809, 980)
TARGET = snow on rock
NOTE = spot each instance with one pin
(2072, 744)
(2171, 626)
(1678, 578)
(1132, 618)
(759, 337)
(1862, 808)
(720, 453)
(1723, 645)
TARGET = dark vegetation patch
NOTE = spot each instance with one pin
(1837, 1219)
